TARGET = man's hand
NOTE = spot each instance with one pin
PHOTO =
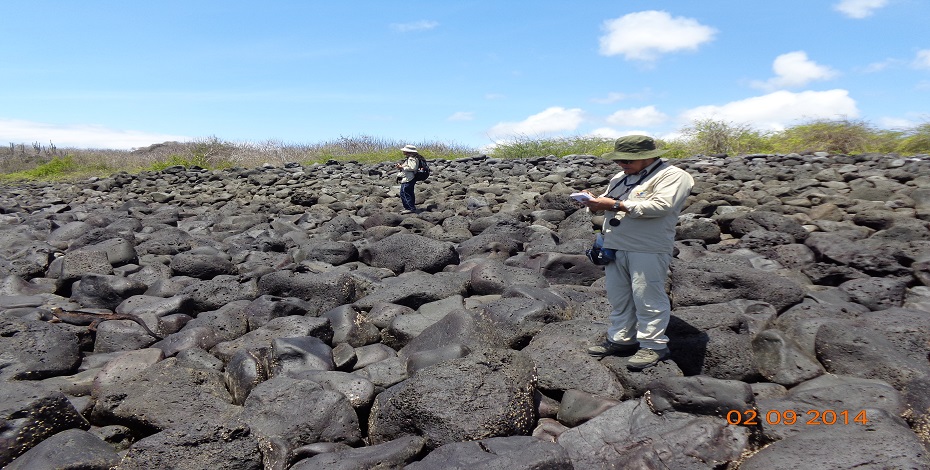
(601, 204)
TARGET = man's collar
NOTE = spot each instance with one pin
(649, 168)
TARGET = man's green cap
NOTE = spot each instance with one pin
(634, 147)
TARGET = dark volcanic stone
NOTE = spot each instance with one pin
(308, 323)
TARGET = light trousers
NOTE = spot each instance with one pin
(636, 292)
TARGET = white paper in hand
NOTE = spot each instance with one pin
(581, 196)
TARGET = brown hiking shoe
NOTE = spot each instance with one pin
(609, 348)
(645, 358)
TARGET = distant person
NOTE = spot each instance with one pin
(407, 174)
(642, 204)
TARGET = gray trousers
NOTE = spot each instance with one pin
(636, 292)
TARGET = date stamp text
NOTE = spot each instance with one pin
(792, 417)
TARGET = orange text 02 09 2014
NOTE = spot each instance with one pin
(792, 417)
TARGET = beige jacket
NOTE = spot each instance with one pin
(653, 201)
(408, 169)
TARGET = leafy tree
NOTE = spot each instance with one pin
(711, 137)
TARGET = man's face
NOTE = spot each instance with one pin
(631, 167)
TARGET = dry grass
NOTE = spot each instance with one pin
(20, 162)
(707, 137)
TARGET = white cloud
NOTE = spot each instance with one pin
(611, 133)
(775, 111)
(922, 61)
(606, 132)
(880, 65)
(611, 97)
(896, 123)
(646, 35)
(647, 116)
(462, 116)
(552, 120)
(859, 9)
(671, 136)
(794, 70)
(79, 136)
(494, 96)
(421, 25)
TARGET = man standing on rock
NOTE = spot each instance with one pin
(642, 204)
(408, 169)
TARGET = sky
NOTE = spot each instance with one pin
(126, 74)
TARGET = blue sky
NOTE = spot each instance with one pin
(124, 74)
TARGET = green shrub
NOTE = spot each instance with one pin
(526, 147)
(56, 168)
(914, 141)
(368, 149)
(842, 136)
(710, 137)
(676, 148)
